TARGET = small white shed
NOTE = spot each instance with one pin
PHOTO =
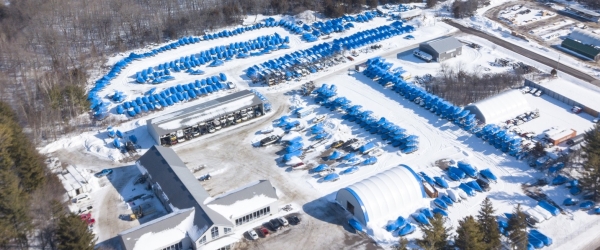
(75, 181)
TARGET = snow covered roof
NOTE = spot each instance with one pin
(153, 233)
(189, 116)
(410, 13)
(73, 179)
(585, 37)
(501, 107)
(443, 44)
(180, 186)
(244, 200)
(394, 192)
(584, 11)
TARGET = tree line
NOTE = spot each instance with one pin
(590, 165)
(31, 197)
(473, 233)
(462, 87)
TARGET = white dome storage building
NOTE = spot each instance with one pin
(384, 196)
(499, 108)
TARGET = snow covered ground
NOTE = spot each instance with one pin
(229, 155)
(520, 15)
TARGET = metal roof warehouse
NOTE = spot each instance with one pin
(443, 48)
(174, 122)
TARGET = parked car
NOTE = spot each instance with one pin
(275, 224)
(294, 220)
(147, 197)
(576, 109)
(596, 120)
(104, 172)
(81, 197)
(533, 90)
(283, 221)
(84, 210)
(337, 144)
(350, 58)
(253, 235)
(538, 93)
(264, 231)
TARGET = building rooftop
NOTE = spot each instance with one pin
(252, 197)
(179, 185)
(444, 44)
(130, 237)
(584, 11)
(205, 111)
(585, 37)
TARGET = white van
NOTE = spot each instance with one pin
(422, 55)
(80, 198)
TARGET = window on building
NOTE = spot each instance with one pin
(214, 232)
(177, 246)
(227, 230)
(268, 209)
(228, 247)
(203, 240)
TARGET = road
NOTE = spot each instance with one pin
(525, 52)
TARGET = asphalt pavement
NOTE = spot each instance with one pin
(525, 52)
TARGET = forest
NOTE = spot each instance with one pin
(50, 50)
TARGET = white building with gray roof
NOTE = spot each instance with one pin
(442, 49)
(195, 219)
(204, 118)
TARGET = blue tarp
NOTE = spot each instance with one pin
(552, 209)
(335, 155)
(540, 236)
(420, 218)
(332, 177)
(370, 161)
(365, 148)
(350, 170)
(586, 205)
(320, 168)
(427, 212)
(440, 182)
(475, 186)
(406, 230)
(356, 225)
(440, 203)
(467, 189)
(487, 173)
(440, 212)
(468, 169)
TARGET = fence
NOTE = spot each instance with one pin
(562, 98)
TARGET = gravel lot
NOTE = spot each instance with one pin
(233, 162)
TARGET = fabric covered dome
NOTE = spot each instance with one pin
(499, 108)
(394, 192)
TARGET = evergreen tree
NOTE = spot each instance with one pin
(488, 225)
(469, 235)
(402, 244)
(436, 235)
(517, 229)
(15, 223)
(590, 179)
(73, 233)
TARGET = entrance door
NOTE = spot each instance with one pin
(350, 207)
